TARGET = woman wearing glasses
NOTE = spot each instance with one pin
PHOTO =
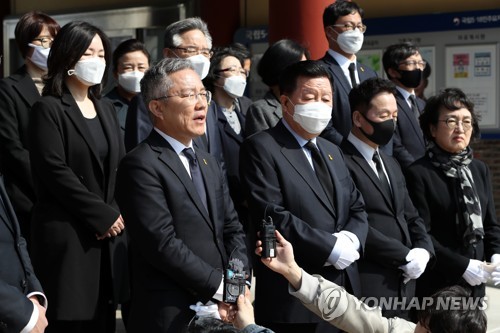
(227, 81)
(78, 244)
(453, 194)
(34, 34)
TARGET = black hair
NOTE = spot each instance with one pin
(128, 46)
(29, 27)
(396, 53)
(277, 57)
(361, 96)
(71, 43)
(465, 316)
(451, 99)
(338, 9)
(219, 54)
(209, 325)
(308, 68)
(243, 51)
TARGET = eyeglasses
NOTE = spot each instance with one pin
(192, 97)
(45, 41)
(192, 51)
(413, 63)
(349, 26)
(233, 70)
(453, 123)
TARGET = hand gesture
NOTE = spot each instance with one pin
(41, 322)
(114, 230)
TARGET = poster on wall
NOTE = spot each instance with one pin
(372, 59)
(472, 69)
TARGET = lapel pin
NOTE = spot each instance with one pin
(330, 157)
(205, 161)
(362, 69)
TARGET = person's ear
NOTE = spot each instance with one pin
(155, 108)
(356, 115)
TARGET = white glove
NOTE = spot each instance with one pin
(475, 273)
(417, 261)
(495, 275)
(348, 253)
(202, 310)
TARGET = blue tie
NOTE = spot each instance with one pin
(196, 176)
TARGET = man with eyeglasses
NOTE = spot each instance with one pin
(174, 196)
(344, 29)
(188, 39)
(404, 66)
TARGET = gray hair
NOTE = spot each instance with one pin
(172, 37)
(156, 81)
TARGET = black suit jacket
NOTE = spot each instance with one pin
(17, 94)
(435, 195)
(280, 182)
(17, 278)
(341, 122)
(409, 143)
(179, 250)
(75, 194)
(395, 228)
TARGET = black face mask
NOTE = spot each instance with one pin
(410, 79)
(382, 132)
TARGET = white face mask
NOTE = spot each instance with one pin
(201, 65)
(89, 71)
(39, 56)
(312, 117)
(131, 81)
(235, 86)
(350, 41)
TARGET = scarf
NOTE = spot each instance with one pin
(457, 166)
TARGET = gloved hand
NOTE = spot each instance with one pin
(475, 273)
(417, 261)
(202, 310)
(495, 275)
(348, 253)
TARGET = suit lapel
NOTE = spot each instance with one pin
(25, 86)
(6, 209)
(408, 114)
(167, 155)
(363, 74)
(227, 128)
(295, 156)
(338, 75)
(74, 113)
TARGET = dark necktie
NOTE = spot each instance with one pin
(196, 175)
(414, 107)
(381, 174)
(321, 171)
(352, 75)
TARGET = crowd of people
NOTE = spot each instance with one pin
(151, 197)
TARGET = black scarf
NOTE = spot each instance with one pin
(457, 166)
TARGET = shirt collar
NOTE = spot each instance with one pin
(300, 140)
(365, 149)
(341, 60)
(176, 145)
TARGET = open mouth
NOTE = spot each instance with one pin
(199, 117)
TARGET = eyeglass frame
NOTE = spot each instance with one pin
(189, 96)
(43, 40)
(466, 126)
(349, 26)
(192, 51)
(232, 69)
(413, 63)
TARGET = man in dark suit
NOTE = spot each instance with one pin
(404, 66)
(22, 302)
(195, 45)
(397, 247)
(301, 181)
(183, 226)
(344, 28)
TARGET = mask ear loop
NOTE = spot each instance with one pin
(71, 72)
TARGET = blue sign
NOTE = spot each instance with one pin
(433, 22)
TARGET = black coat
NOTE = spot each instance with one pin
(395, 229)
(17, 94)
(17, 278)
(75, 203)
(435, 196)
(179, 250)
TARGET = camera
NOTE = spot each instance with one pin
(268, 238)
(234, 281)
